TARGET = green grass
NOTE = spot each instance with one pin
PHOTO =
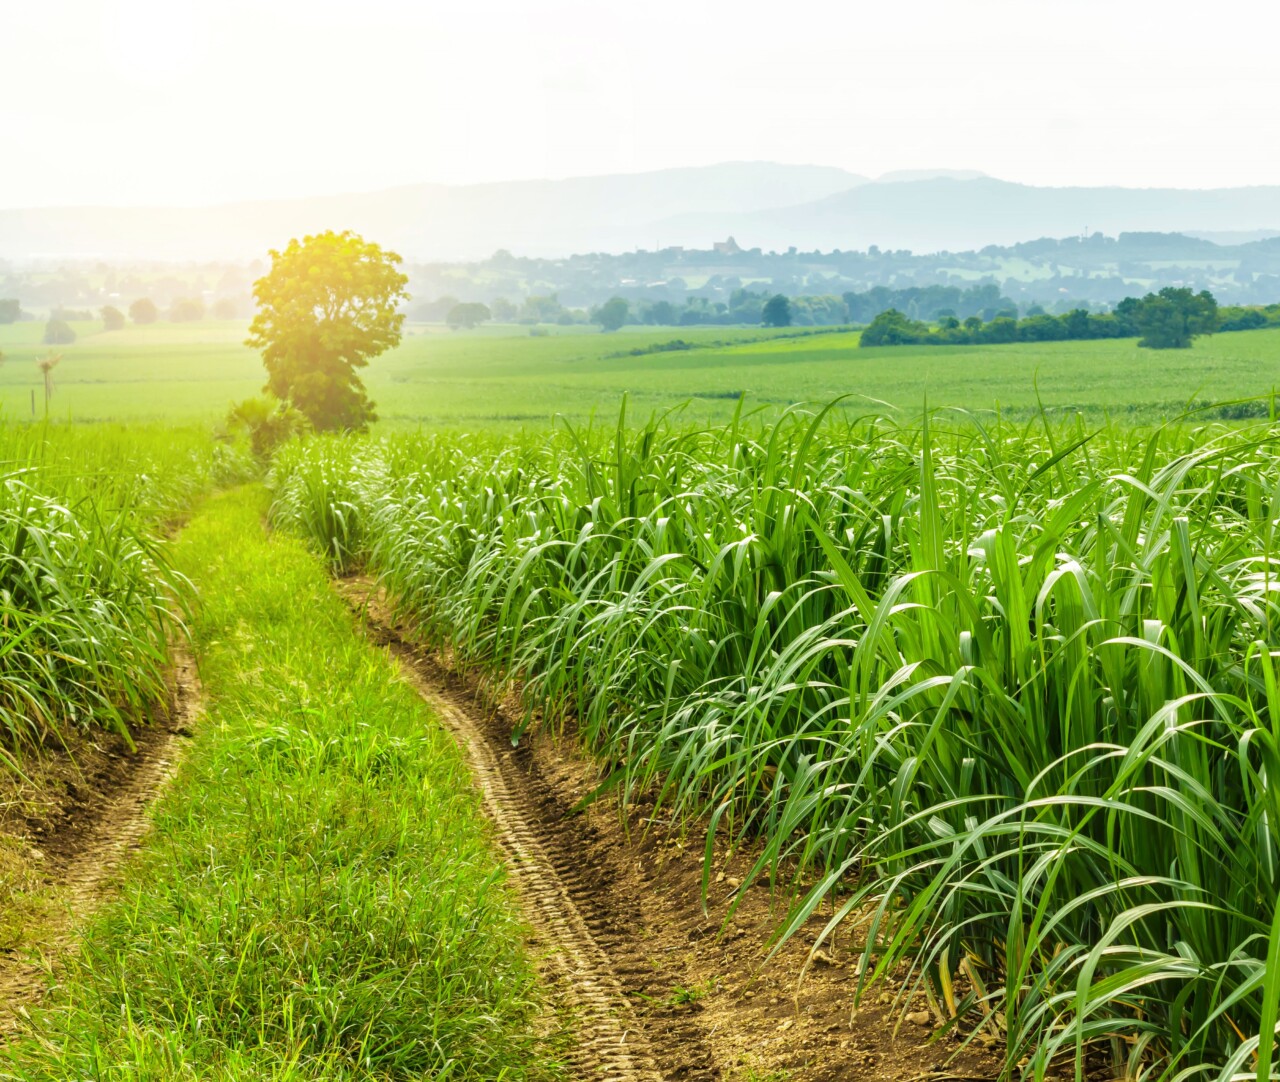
(1002, 701)
(501, 376)
(318, 899)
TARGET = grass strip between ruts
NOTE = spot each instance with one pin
(319, 898)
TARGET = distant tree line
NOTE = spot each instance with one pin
(744, 307)
(930, 303)
(924, 315)
(1093, 272)
(1169, 319)
(58, 331)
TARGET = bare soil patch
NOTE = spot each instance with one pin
(660, 988)
(65, 830)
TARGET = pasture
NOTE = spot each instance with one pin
(502, 376)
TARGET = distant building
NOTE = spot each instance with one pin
(726, 247)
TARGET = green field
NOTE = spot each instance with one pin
(317, 897)
(999, 704)
(501, 375)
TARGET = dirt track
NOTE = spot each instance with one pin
(657, 987)
(574, 962)
(654, 985)
(93, 813)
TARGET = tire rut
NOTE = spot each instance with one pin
(577, 966)
(85, 846)
(662, 977)
(588, 962)
(124, 821)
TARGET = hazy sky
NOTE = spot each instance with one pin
(169, 101)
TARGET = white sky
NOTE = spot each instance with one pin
(169, 101)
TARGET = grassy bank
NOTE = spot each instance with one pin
(318, 899)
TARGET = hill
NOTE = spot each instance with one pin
(547, 217)
(763, 205)
(948, 213)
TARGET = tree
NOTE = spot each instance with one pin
(1173, 318)
(1075, 324)
(144, 310)
(433, 311)
(112, 318)
(186, 310)
(612, 314)
(58, 332)
(541, 309)
(1241, 319)
(777, 312)
(1002, 329)
(503, 310)
(468, 315)
(661, 312)
(10, 311)
(225, 308)
(746, 306)
(892, 328)
(329, 303)
(1042, 329)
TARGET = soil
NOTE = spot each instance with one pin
(658, 988)
(67, 826)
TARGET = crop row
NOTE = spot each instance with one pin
(1002, 701)
(87, 602)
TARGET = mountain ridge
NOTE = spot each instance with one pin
(762, 204)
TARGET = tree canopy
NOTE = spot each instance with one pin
(776, 312)
(144, 310)
(186, 310)
(467, 315)
(112, 318)
(1169, 319)
(58, 332)
(892, 328)
(612, 314)
(1173, 318)
(327, 306)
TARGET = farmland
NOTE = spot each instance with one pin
(1001, 703)
(321, 788)
(502, 376)
(984, 704)
(472, 614)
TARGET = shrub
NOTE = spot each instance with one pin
(267, 422)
